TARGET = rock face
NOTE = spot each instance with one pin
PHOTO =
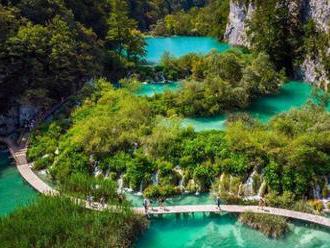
(311, 70)
(236, 28)
(319, 11)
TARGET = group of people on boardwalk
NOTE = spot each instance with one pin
(148, 204)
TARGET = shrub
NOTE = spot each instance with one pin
(58, 222)
(316, 205)
(270, 225)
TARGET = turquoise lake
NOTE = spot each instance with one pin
(158, 88)
(199, 230)
(14, 191)
(181, 45)
(224, 230)
(293, 94)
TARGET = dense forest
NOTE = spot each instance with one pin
(115, 133)
(49, 49)
(89, 56)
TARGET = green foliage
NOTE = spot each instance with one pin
(58, 222)
(219, 82)
(81, 186)
(203, 175)
(210, 20)
(270, 225)
(158, 192)
(122, 33)
(286, 200)
(43, 63)
(277, 30)
(292, 150)
(316, 205)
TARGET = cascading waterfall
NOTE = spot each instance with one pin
(181, 182)
(141, 189)
(155, 178)
(317, 192)
(120, 183)
(248, 187)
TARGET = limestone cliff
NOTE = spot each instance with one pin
(236, 28)
(311, 68)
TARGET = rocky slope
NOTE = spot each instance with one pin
(311, 69)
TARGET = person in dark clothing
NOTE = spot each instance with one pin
(218, 201)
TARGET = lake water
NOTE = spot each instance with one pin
(210, 230)
(292, 95)
(158, 88)
(14, 191)
(181, 45)
(199, 230)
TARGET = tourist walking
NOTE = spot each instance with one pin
(102, 201)
(261, 203)
(145, 205)
(218, 201)
(161, 203)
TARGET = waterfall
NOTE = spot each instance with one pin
(120, 183)
(163, 78)
(97, 171)
(316, 192)
(181, 182)
(155, 178)
(248, 187)
(141, 189)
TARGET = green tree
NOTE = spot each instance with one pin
(122, 33)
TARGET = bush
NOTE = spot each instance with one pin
(58, 222)
(286, 200)
(316, 205)
(270, 225)
(80, 185)
(157, 191)
(301, 206)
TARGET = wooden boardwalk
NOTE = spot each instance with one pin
(238, 209)
(23, 167)
(19, 154)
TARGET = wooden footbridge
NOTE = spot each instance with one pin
(19, 154)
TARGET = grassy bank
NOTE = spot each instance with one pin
(270, 225)
(58, 222)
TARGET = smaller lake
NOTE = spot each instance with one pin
(293, 94)
(14, 191)
(157, 88)
(181, 45)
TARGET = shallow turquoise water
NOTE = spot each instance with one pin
(292, 95)
(14, 191)
(189, 199)
(181, 45)
(157, 88)
(226, 232)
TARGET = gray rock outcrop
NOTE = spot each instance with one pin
(311, 70)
